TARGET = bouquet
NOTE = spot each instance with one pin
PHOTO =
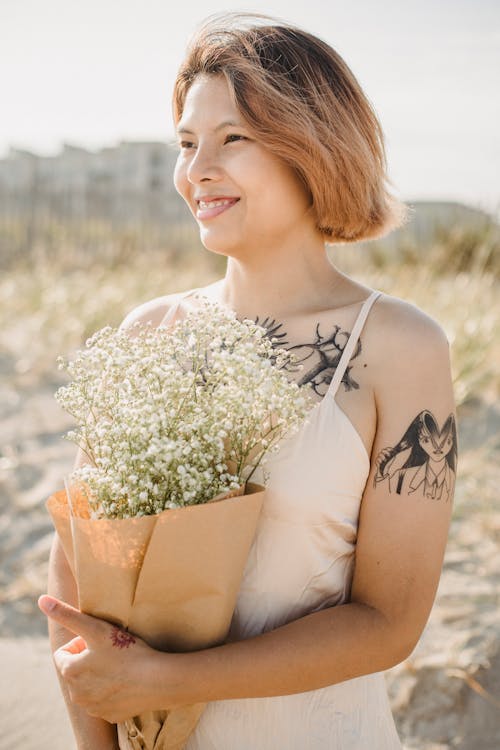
(158, 524)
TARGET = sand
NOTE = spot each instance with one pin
(33, 713)
(436, 694)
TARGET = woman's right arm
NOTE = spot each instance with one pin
(90, 733)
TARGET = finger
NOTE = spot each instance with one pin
(75, 646)
(90, 628)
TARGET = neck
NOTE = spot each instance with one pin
(280, 284)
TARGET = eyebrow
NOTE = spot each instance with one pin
(221, 126)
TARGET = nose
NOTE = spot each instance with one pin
(204, 165)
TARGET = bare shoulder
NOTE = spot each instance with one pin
(152, 311)
(402, 328)
(398, 317)
(409, 354)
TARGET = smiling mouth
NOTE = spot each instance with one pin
(216, 202)
(208, 209)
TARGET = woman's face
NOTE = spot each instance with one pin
(242, 196)
(437, 445)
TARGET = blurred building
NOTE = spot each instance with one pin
(128, 183)
(124, 196)
(90, 203)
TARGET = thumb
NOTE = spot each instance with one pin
(90, 628)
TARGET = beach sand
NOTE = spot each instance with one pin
(435, 694)
(33, 715)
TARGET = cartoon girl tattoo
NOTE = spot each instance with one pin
(424, 460)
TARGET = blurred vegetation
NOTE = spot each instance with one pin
(75, 279)
(455, 279)
(55, 296)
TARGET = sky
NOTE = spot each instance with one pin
(96, 72)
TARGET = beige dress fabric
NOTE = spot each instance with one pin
(302, 561)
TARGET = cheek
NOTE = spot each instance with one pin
(295, 197)
(180, 179)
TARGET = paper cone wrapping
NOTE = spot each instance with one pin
(172, 579)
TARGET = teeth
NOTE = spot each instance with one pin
(213, 204)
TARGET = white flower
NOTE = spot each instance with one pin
(161, 411)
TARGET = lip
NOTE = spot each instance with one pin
(209, 213)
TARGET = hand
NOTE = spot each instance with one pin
(382, 456)
(108, 671)
(392, 466)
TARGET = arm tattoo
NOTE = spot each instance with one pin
(329, 349)
(121, 638)
(423, 462)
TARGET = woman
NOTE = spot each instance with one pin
(281, 152)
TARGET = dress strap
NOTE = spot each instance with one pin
(350, 345)
(170, 316)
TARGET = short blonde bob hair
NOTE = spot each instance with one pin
(301, 99)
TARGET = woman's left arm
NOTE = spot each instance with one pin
(405, 514)
(402, 534)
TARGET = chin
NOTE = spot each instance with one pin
(220, 245)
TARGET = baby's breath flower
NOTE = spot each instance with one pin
(160, 411)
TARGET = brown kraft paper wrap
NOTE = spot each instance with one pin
(172, 579)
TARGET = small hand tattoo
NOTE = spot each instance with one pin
(120, 638)
(423, 461)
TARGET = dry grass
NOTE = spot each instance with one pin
(456, 281)
(54, 297)
(51, 302)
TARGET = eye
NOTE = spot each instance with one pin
(186, 144)
(233, 137)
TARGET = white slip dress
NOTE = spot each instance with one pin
(301, 561)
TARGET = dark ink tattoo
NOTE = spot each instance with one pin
(424, 460)
(121, 638)
(328, 348)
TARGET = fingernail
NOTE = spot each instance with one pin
(46, 604)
